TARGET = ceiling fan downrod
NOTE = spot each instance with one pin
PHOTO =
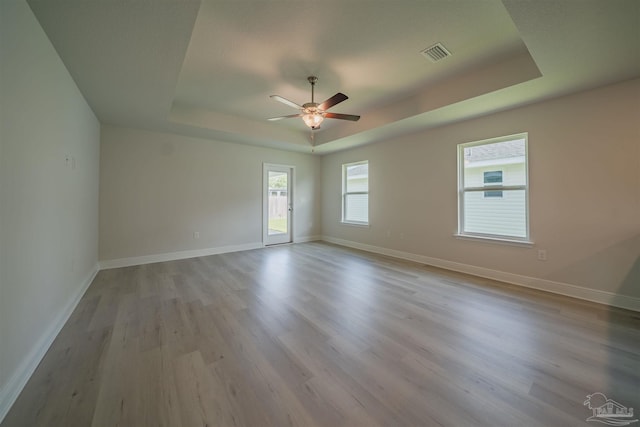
(313, 80)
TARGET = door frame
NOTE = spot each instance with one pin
(291, 170)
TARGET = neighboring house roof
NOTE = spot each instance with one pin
(500, 150)
(362, 169)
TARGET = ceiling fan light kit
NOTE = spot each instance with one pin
(313, 119)
(312, 113)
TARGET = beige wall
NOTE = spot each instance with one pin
(48, 210)
(157, 189)
(584, 168)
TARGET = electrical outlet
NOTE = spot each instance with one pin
(196, 234)
(542, 254)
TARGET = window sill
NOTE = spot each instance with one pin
(355, 224)
(491, 239)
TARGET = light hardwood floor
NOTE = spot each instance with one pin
(319, 335)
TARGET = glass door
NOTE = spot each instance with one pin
(278, 204)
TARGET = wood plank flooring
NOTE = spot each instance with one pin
(319, 335)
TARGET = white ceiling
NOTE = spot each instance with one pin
(206, 68)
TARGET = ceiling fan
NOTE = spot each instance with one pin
(313, 113)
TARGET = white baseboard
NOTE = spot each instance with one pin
(305, 239)
(593, 295)
(173, 256)
(12, 388)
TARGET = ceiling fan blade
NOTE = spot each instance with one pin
(285, 117)
(351, 117)
(286, 101)
(335, 99)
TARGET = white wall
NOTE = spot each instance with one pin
(48, 210)
(584, 169)
(157, 189)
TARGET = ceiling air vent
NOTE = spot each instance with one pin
(436, 52)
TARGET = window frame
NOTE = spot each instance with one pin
(501, 187)
(345, 193)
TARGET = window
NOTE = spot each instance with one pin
(355, 193)
(493, 189)
(493, 178)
